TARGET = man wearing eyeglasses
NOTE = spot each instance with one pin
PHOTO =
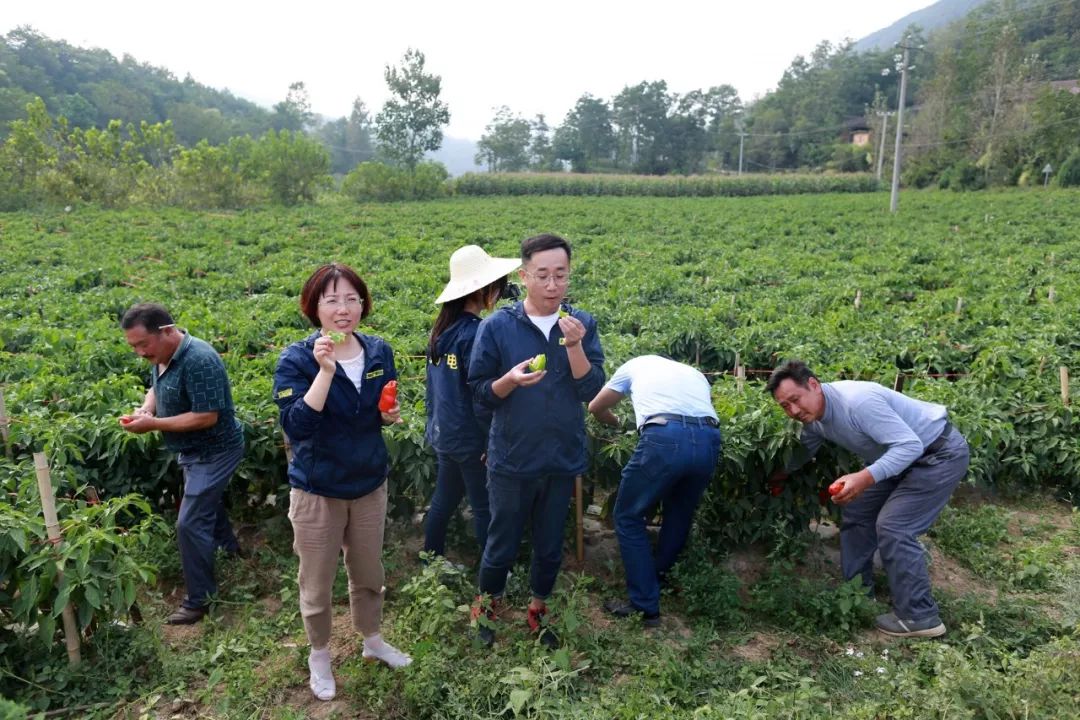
(190, 404)
(537, 440)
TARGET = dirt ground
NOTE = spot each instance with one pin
(602, 561)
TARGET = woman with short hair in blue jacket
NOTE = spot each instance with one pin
(456, 429)
(327, 388)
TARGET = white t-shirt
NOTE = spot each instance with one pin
(545, 323)
(659, 385)
(354, 369)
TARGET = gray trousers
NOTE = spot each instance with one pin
(891, 514)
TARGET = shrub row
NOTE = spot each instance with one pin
(659, 186)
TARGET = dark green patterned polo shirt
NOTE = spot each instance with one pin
(195, 381)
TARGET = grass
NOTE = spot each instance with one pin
(773, 635)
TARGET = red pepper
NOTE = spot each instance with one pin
(775, 489)
(388, 397)
(836, 487)
(823, 498)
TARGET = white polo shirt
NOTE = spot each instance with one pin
(658, 385)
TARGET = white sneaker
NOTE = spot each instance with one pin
(387, 653)
(322, 682)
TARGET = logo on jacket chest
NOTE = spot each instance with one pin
(451, 361)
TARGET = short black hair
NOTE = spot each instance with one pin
(540, 243)
(795, 370)
(150, 316)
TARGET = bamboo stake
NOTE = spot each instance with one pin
(740, 377)
(959, 305)
(4, 425)
(579, 511)
(858, 299)
(52, 527)
(1064, 372)
(1042, 363)
(1051, 295)
(288, 447)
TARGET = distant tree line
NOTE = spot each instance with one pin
(993, 99)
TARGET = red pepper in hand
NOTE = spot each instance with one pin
(388, 397)
(836, 487)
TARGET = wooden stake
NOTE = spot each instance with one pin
(1064, 372)
(52, 527)
(1042, 364)
(4, 425)
(959, 305)
(858, 299)
(740, 377)
(580, 513)
(1051, 295)
(898, 383)
(288, 447)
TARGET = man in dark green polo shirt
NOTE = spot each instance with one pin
(190, 403)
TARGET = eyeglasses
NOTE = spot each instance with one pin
(560, 279)
(348, 301)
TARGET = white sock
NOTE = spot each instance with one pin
(322, 677)
(375, 648)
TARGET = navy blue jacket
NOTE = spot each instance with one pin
(339, 452)
(455, 426)
(540, 429)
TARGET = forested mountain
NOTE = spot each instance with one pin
(991, 99)
(90, 87)
(929, 19)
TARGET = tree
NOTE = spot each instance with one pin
(292, 165)
(541, 153)
(358, 142)
(504, 146)
(641, 113)
(586, 136)
(411, 121)
(294, 112)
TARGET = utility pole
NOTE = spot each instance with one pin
(881, 146)
(742, 135)
(895, 197)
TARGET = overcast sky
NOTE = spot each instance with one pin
(536, 57)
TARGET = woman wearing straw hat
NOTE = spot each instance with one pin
(456, 431)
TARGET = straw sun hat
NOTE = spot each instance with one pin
(471, 269)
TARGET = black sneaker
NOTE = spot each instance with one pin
(621, 609)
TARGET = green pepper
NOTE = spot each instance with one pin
(335, 335)
(538, 363)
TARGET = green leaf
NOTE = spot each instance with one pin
(518, 698)
(46, 628)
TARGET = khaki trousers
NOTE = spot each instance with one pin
(322, 528)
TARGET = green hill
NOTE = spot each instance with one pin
(90, 87)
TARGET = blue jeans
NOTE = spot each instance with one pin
(458, 477)
(891, 514)
(203, 525)
(543, 501)
(672, 464)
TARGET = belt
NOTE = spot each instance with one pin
(665, 418)
(941, 439)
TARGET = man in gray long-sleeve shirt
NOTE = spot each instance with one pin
(913, 460)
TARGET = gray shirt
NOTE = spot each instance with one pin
(887, 430)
